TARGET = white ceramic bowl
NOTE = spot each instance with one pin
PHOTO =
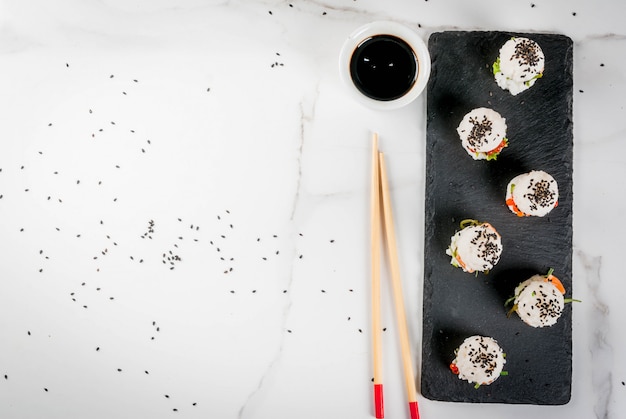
(385, 28)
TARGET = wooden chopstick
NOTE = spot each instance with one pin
(375, 241)
(394, 266)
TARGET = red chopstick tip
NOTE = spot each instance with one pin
(379, 405)
(415, 413)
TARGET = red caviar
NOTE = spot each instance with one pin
(454, 368)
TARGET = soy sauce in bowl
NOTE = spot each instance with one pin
(383, 67)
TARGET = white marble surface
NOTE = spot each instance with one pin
(225, 124)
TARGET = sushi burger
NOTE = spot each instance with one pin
(539, 301)
(483, 133)
(479, 360)
(535, 193)
(476, 247)
(519, 65)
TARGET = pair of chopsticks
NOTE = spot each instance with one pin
(380, 195)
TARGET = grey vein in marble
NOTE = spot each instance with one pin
(296, 197)
(279, 351)
(306, 116)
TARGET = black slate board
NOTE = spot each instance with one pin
(458, 304)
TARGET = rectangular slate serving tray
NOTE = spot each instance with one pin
(458, 304)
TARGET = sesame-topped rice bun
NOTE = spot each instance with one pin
(479, 360)
(534, 193)
(520, 64)
(476, 247)
(483, 133)
(539, 300)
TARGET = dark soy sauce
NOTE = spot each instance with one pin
(383, 67)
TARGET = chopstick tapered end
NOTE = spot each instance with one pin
(379, 405)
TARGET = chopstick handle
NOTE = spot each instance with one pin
(375, 230)
(396, 284)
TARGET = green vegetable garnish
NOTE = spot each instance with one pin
(496, 66)
(538, 76)
(494, 154)
(469, 222)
